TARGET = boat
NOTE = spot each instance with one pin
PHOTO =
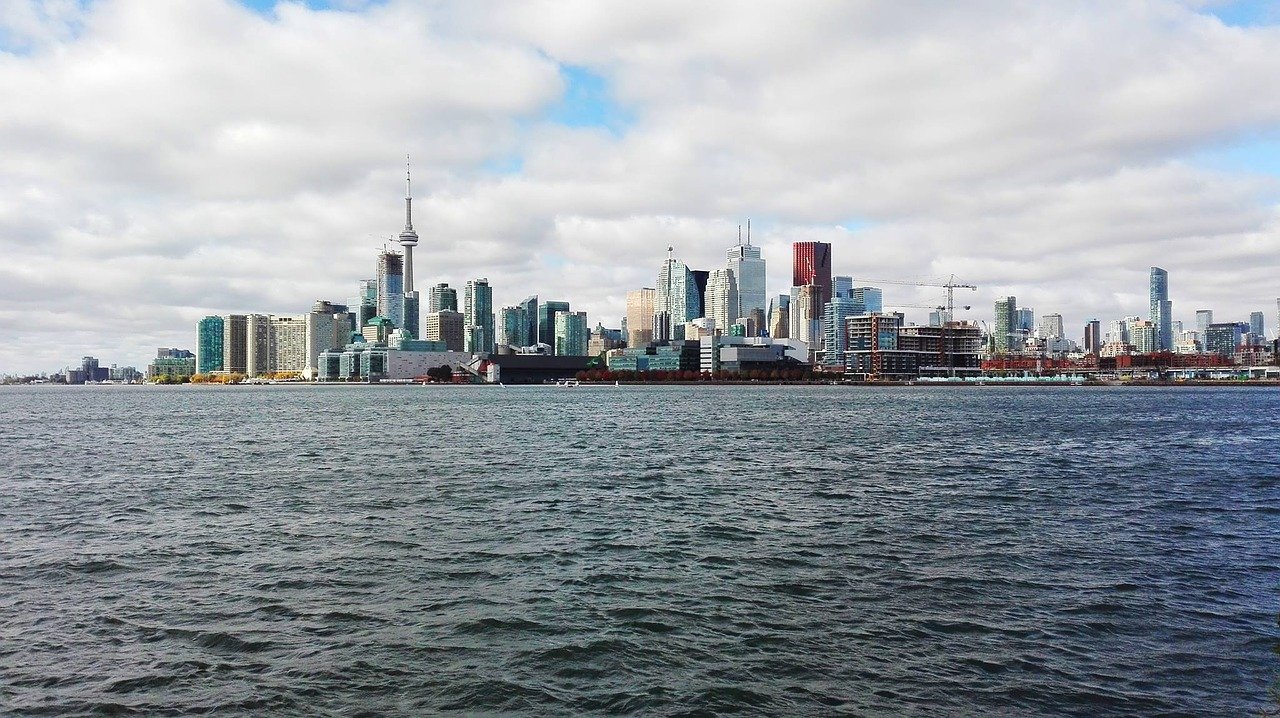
(568, 383)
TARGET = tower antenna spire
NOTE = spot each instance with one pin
(748, 231)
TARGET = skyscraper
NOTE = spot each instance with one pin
(478, 316)
(722, 298)
(748, 274)
(1204, 317)
(547, 312)
(872, 298)
(1051, 326)
(441, 298)
(259, 346)
(1006, 328)
(640, 316)
(1161, 309)
(571, 334)
(363, 306)
(209, 335)
(842, 287)
(779, 316)
(1257, 325)
(234, 348)
(806, 315)
(530, 308)
(1092, 336)
(834, 315)
(391, 287)
(409, 240)
(700, 278)
(676, 301)
(512, 325)
(811, 264)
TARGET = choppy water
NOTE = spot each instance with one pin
(665, 551)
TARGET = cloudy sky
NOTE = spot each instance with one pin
(160, 161)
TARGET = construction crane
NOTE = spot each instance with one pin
(951, 285)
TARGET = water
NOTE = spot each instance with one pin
(664, 551)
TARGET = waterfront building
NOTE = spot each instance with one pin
(169, 364)
(834, 317)
(235, 349)
(530, 309)
(871, 297)
(547, 312)
(1224, 337)
(571, 334)
(1092, 336)
(442, 298)
(748, 271)
(412, 315)
(880, 346)
(512, 325)
(259, 347)
(811, 264)
(1187, 343)
(289, 345)
(209, 335)
(1204, 317)
(478, 333)
(722, 297)
(1257, 325)
(327, 329)
(1005, 338)
(1051, 326)
(445, 326)
(676, 300)
(1143, 337)
(780, 316)
(391, 287)
(675, 356)
(1161, 309)
(640, 316)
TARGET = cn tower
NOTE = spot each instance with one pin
(408, 238)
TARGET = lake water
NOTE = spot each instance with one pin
(657, 550)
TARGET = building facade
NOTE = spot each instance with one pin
(811, 264)
(235, 348)
(722, 298)
(676, 300)
(478, 331)
(640, 316)
(209, 336)
(441, 298)
(571, 334)
(547, 312)
(1004, 338)
(748, 270)
(445, 326)
(1161, 309)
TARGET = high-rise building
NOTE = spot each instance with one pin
(640, 316)
(363, 306)
(1204, 317)
(209, 335)
(327, 329)
(872, 298)
(391, 287)
(805, 322)
(289, 345)
(478, 317)
(1006, 330)
(748, 275)
(1161, 309)
(259, 346)
(834, 315)
(512, 325)
(445, 326)
(722, 298)
(700, 279)
(1026, 320)
(1051, 326)
(842, 287)
(676, 301)
(1092, 336)
(235, 349)
(547, 312)
(1142, 335)
(442, 297)
(571, 334)
(780, 316)
(1224, 337)
(411, 314)
(530, 308)
(1257, 325)
(811, 264)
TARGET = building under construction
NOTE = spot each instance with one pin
(880, 347)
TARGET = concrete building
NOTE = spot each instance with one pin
(881, 347)
(640, 316)
(1092, 336)
(478, 334)
(571, 334)
(805, 322)
(209, 335)
(842, 287)
(603, 340)
(1051, 326)
(1161, 309)
(235, 346)
(169, 364)
(289, 345)
(674, 356)
(327, 329)
(364, 362)
(445, 326)
(722, 297)
(409, 240)
(363, 306)
(1224, 337)
(1143, 336)
(391, 287)
(871, 297)
(259, 345)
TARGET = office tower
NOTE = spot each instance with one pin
(1092, 336)
(327, 329)
(1223, 338)
(1005, 335)
(700, 279)
(811, 264)
(363, 306)
(409, 240)
(478, 317)
(1026, 320)
(806, 315)
(445, 326)
(391, 287)
(1142, 335)
(1161, 309)
(722, 298)
(779, 316)
(872, 299)
(748, 274)
(258, 345)
(1051, 326)
(235, 351)
(288, 345)
(842, 287)
(676, 301)
(530, 308)
(834, 315)
(512, 325)
(571, 334)
(209, 334)
(1257, 325)
(441, 298)
(640, 316)
(547, 312)
(1204, 317)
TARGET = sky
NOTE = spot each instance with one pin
(162, 161)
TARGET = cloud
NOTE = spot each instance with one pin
(171, 160)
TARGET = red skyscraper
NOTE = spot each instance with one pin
(812, 265)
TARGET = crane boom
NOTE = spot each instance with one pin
(951, 285)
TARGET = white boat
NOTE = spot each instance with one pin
(568, 382)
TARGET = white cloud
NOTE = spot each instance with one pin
(167, 160)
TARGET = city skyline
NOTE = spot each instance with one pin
(555, 158)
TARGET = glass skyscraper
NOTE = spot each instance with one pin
(442, 298)
(1161, 309)
(834, 315)
(1006, 324)
(571, 334)
(391, 287)
(478, 317)
(209, 336)
(676, 301)
(749, 278)
(547, 312)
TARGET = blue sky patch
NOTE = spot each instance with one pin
(588, 102)
(1258, 155)
(1246, 13)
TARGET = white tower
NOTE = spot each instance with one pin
(408, 238)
